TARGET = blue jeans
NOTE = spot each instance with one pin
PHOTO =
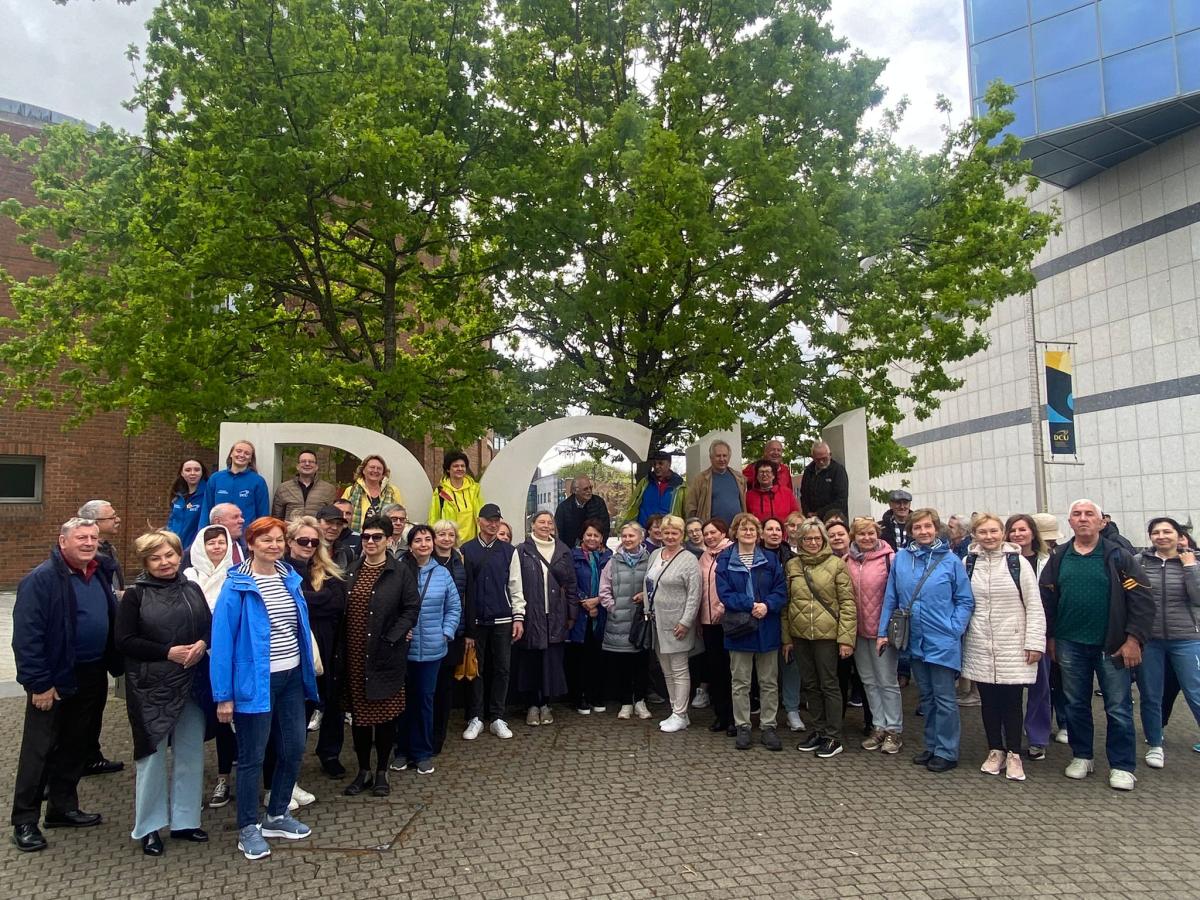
(1184, 657)
(162, 799)
(789, 684)
(1078, 663)
(414, 736)
(942, 727)
(286, 723)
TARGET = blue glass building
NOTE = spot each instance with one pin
(1097, 82)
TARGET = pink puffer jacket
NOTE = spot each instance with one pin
(711, 608)
(869, 574)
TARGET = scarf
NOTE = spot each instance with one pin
(210, 578)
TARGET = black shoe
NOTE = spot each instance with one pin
(333, 767)
(102, 766)
(829, 747)
(743, 737)
(922, 758)
(73, 819)
(361, 782)
(1036, 752)
(730, 730)
(381, 788)
(718, 726)
(152, 844)
(28, 838)
(770, 739)
(810, 744)
(937, 764)
(195, 835)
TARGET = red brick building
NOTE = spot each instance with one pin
(47, 472)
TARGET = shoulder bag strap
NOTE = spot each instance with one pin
(658, 580)
(920, 584)
(812, 589)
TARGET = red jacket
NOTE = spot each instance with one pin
(783, 477)
(774, 503)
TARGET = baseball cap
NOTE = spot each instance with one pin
(490, 511)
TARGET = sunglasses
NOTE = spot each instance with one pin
(308, 542)
(374, 537)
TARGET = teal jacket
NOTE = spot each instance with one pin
(240, 667)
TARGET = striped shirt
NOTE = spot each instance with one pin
(746, 558)
(281, 612)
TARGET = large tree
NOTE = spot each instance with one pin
(704, 230)
(291, 236)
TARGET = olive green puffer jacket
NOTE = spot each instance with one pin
(807, 618)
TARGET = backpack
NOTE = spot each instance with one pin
(1014, 569)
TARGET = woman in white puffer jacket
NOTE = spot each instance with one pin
(1004, 641)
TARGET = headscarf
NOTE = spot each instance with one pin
(203, 572)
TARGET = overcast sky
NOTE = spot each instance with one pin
(72, 58)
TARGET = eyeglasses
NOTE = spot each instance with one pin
(106, 518)
(374, 537)
(308, 542)
(398, 520)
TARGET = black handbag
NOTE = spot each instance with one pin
(737, 624)
(641, 630)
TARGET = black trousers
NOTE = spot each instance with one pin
(585, 670)
(630, 672)
(493, 648)
(1002, 708)
(717, 673)
(444, 691)
(332, 734)
(850, 683)
(381, 737)
(56, 744)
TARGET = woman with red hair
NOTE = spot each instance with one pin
(262, 671)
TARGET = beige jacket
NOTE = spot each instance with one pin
(698, 502)
(1003, 627)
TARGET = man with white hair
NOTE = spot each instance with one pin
(1099, 612)
(64, 649)
(772, 450)
(824, 484)
(233, 519)
(718, 492)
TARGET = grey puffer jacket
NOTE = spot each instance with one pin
(622, 578)
(153, 616)
(1176, 591)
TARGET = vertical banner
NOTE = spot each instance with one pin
(1060, 402)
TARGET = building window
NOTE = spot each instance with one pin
(1069, 98)
(1044, 9)
(1065, 41)
(1139, 77)
(1006, 57)
(21, 479)
(1187, 14)
(1125, 24)
(992, 17)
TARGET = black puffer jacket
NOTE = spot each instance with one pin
(392, 612)
(153, 616)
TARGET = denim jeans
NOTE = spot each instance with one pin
(1078, 663)
(286, 723)
(172, 799)
(878, 674)
(414, 732)
(789, 684)
(1184, 659)
(942, 726)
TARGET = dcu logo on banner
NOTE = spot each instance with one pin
(1060, 402)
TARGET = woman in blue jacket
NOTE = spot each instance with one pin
(585, 640)
(750, 580)
(187, 496)
(930, 581)
(238, 483)
(262, 672)
(437, 623)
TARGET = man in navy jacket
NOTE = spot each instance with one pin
(63, 645)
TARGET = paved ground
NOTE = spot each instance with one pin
(593, 807)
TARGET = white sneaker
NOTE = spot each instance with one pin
(474, 729)
(643, 711)
(301, 796)
(1155, 758)
(700, 701)
(293, 804)
(625, 711)
(1062, 737)
(795, 723)
(584, 710)
(599, 709)
(1080, 768)
(533, 718)
(673, 723)
(1120, 780)
(314, 724)
(547, 715)
(500, 729)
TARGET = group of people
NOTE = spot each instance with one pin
(254, 622)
